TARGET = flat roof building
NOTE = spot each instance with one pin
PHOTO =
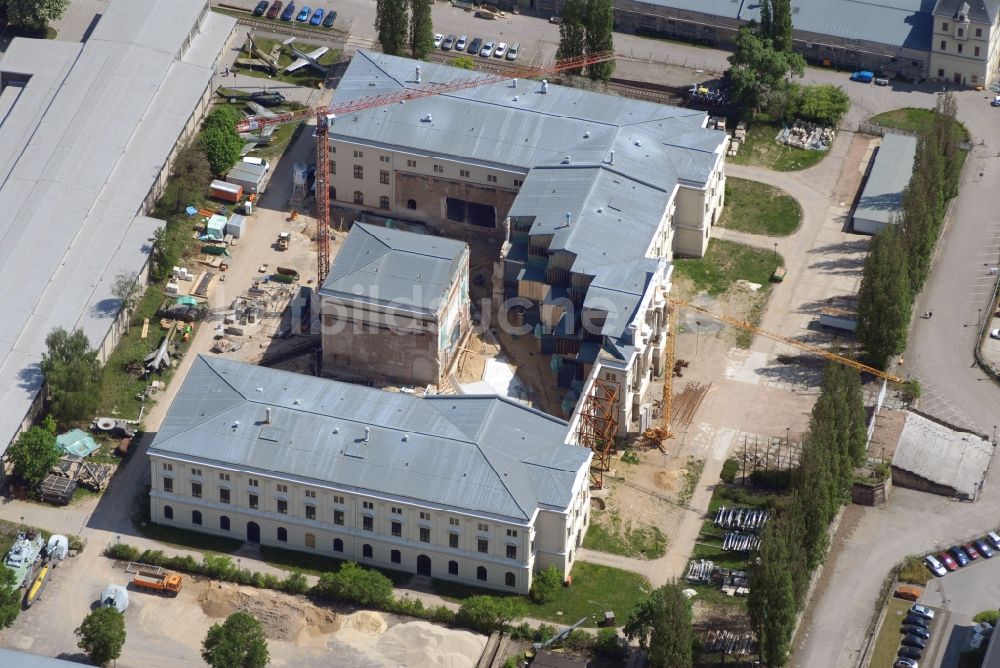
(88, 132)
(881, 200)
(477, 489)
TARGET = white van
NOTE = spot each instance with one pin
(257, 161)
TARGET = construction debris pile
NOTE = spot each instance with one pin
(806, 135)
(730, 581)
(739, 136)
(723, 641)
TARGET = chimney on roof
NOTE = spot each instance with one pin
(545, 86)
(513, 82)
(611, 158)
(368, 432)
(418, 74)
(267, 415)
(568, 216)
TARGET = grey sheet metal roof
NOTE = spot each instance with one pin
(482, 454)
(946, 457)
(981, 11)
(17, 659)
(882, 197)
(82, 145)
(903, 23)
(385, 266)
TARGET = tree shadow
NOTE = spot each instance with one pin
(75, 657)
(844, 265)
(859, 245)
(31, 378)
(107, 308)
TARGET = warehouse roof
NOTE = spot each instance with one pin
(483, 454)
(391, 267)
(948, 458)
(882, 198)
(86, 131)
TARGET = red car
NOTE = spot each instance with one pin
(971, 550)
(948, 562)
(272, 13)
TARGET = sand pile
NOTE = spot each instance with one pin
(666, 479)
(283, 617)
(413, 644)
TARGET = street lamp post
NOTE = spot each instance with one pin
(697, 337)
(775, 250)
(979, 322)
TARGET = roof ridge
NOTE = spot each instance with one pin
(208, 362)
(493, 467)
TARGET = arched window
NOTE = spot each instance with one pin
(366, 551)
(395, 557)
(224, 523)
(168, 512)
(452, 568)
(411, 204)
(310, 540)
(338, 545)
(510, 580)
(282, 534)
(196, 517)
(359, 197)
(481, 573)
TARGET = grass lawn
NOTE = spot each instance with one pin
(594, 590)
(607, 535)
(761, 150)
(725, 263)
(304, 76)
(887, 643)
(911, 119)
(759, 209)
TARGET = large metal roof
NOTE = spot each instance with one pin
(17, 659)
(882, 198)
(392, 267)
(481, 454)
(84, 139)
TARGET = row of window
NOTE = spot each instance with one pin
(367, 552)
(961, 31)
(383, 175)
(944, 47)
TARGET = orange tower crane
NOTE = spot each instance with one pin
(326, 116)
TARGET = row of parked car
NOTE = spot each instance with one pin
(477, 45)
(315, 17)
(957, 556)
(916, 630)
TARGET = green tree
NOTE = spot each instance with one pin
(35, 14)
(163, 256)
(10, 598)
(771, 601)
(781, 25)
(33, 454)
(223, 117)
(599, 36)
(546, 584)
(857, 416)
(759, 71)
(189, 179)
(421, 28)
(884, 300)
(825, 104)
(102, 635)
(662, 624)
(572, 31)
(355, 584)
(766, 22)
(72, 374)
(222, 148)
(238, 643)
(128, 291)
(487, 614)
(393, 26)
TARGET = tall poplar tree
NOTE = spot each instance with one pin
(600, 24)
(393, 25)
(885, 298)
(421, 28)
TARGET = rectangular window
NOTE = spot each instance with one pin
(333, 166)
(483, 527)
(425, 535)
(168, 467)
(453, 521)
(224, 477)
(492, 178)
(383, 177)
(310, 494)
(338, 517)
(944, 26)
(512, 533)
(338, 499)
(223, 496)
(396, 511)
(253, 502)
(960, 48)
(512, 551)
(518, 183)
(282, 488)
(359, 172)
(282, 507)
(368, 523)
(368, 505)
(961, 32)
(463, 172)
(425, 516)
(252, 482)
(944, 45)
(383, 158)
(397, 529)
(453, 540)
(383, 202)
(358, 154)
(979, 32)
(439, 169)
(484, 545)
(333, 148)
(411, 163)
(196, 490)
(975, 51)
(310, 512)
(196, 472)
(168, 485)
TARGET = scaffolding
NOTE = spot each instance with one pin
(599, 427)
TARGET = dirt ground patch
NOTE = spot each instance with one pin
(284, 617)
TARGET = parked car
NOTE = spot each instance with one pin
(906, 662)
(330, 18)
(984, 549)
(448, 43)
(995, 102)
(881, 81)
(864, 76)
(317, 17)
(922, 611)
(501, 50)
(971, 550)
(961, 558)
(512, 51)
(910, 653)
(919, 631)
(995, 334)
(914, 641)
(474, 45)
(289, 12)
(487, 50)
(934, 566)
(916, 620)
(260, 8)
(947, 561)
(304, 14)
(438, 38)
(555, 19)
(272, 13)
(462, 42)
(992, 536)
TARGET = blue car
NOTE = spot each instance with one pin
(289, 12)
(864, 76)
(304, 14)
(959, 554)
(317, 18)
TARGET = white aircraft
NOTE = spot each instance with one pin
(302, 59)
